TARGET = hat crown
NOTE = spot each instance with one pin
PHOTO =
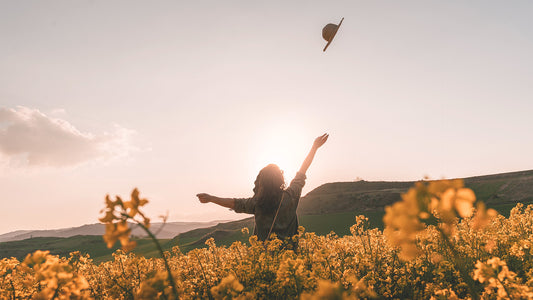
(328, 32)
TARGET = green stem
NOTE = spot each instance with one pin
(13, 287)
(205, 276)
(327, 263)
(90, 284)
(56, 293)
(167, 266)
(126, 290)
(457, 261)
(504, 288)
(370, 246)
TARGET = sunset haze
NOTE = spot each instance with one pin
(182, 97)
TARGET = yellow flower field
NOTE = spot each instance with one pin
(438, 243)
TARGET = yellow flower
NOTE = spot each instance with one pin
(464, 200)
(117, 214)
(228, 288)
(437, 202)
(326, 290)
(119, 231)
(483, 216)
(133, 205)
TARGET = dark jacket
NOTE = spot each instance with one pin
(286, 224)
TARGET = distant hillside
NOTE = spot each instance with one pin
(86, 244)
(351, 196)
(330, 207)
(227, 233)
(169, 230)
(335, 197)
(333, 206)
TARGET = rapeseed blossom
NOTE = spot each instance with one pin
(496, 253)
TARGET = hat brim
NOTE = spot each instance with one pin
(334, 33)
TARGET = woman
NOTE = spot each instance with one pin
(273, 206)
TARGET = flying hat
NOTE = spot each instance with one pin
(329, 31)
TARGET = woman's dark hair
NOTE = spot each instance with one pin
(268, 189)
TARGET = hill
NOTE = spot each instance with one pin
(169, 230)
(330, 207)
(62, 246)
(333, 206)
(494, 190)
(227, 233)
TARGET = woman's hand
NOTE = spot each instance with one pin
(226, 202)
(204, 198)
(321, 140)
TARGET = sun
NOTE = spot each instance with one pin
(285, 149)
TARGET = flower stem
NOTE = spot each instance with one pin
(457, 261)
(167, 266)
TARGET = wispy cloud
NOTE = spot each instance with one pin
(40, 140)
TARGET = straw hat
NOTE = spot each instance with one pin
(329, 31)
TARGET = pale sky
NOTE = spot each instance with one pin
(182, 97)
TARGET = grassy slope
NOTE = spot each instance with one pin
(330, 207)
(333, 206)
(91, 244)
(374, 196)
(224, 234)
(60, 246)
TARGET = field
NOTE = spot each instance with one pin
(330, 207)
(438, 242)
(224, 234)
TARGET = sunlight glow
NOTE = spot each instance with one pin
(283, 147)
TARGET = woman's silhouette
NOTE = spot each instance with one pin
(273, 205)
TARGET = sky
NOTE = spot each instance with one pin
(182, 97)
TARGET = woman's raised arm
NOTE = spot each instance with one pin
(319, 141)
(226, 202)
